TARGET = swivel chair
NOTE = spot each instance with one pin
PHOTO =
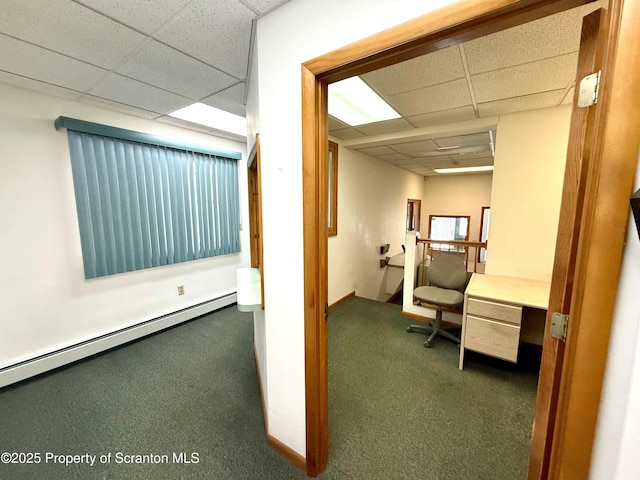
(447, 275)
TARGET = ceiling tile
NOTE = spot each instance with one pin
(414, 149)
(42, 87)
(473, 162)
(432, 99)
(164, 67)
(432, 160)
(37, 63)
(462, 140)
(453, 115)
(230, 99)
(263, 6)
(346, 133)
(119, 107)
(375, 151)
(412, 167)
(395, 159)
(441, 162)
(550, 74)
(140, 95)
(144, 15)
(88, 36)
(335, 124)
(517, 104)
(388, 126)
(226, 45)
(438, 67)
(568, 98)
(548, 37)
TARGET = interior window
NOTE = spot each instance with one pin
(448, 227)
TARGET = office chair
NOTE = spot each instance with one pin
(447, 275)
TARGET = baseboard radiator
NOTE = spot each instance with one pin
(43, 363)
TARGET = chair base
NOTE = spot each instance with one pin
(434, 329)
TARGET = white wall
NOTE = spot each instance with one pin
(287, 37)
(372, 206)
(456, 195)
(615, 451)
(531, 150)
(45, 301)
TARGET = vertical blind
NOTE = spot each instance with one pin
(142, 205)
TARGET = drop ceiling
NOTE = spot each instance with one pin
(450, 100)
(150, 57)
(142, 57)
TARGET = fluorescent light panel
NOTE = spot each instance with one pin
(353, 102)
(485, 168)
(212, 117)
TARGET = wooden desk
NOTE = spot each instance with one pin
(492, 313)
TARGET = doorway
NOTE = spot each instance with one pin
(415, 38)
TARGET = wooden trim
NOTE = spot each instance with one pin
(284, 450)
(254, 178)
(264, 405)
(287, 452)
(614, 147)
(314, 192)
(333, 190)
(576, 167)
(461, 21)
(341, 300)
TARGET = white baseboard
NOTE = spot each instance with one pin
(29, 368)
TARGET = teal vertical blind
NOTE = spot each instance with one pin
(142, 205)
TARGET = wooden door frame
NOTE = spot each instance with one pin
(608, 188)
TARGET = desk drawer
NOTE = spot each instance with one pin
(492, 338)
(497, 311)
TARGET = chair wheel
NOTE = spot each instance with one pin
(427, 344)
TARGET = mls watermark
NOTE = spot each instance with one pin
(90, 459)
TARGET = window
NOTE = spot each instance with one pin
(144, 201)
(451, 227)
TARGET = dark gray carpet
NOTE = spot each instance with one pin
(397, 410)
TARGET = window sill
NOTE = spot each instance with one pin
(248, 289)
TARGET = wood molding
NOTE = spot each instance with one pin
(341, 300)
(284, 450)
(614, 147)
(576, 167)
(287, 452)
(461, 21)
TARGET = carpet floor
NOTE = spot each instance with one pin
(190, 393)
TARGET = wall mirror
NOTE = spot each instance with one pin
(485, 216)
(413, 214)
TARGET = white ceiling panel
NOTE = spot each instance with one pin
(438, 67)
(66, 27)
(136, 94)
(144, 15)
(453, 115)
(461, 140)
(445, 96)
(568, 97)
(548, 37)
(164, 67)
(388, 126)
(217, 32)
(346, 133)
(230, 99)
(414, 148)
(517, 104)
(396, 159)
(263, 6)
(550, 74)
(375, 151)
(178, 122)
(42, 87)
(37, 63)
(119, 107)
